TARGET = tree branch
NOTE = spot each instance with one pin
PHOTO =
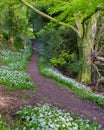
(100, 58)
(50, 18)
(96, 70)
(100, 80)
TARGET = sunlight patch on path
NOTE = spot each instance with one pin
(4, 101)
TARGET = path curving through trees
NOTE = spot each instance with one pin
(50, 91)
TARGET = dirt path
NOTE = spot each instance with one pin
(48, 91)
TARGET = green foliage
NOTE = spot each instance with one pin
(18, 43)
(5, 35)
(36, 21)
(61, 60)
(58, 61)
(73, 67)
(52, 42)
(13, 21)
(70, 11)
(59, 50)
(68, 62)
(57, 42)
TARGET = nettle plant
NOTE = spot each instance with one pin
(13, 73)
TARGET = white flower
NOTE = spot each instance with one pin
(27, 118)
(63, 125)
(17, 128)
(24, 128)
(43, 124)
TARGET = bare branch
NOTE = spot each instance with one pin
(96, 70)
(100, 58)
(101, 80)
(101, 64)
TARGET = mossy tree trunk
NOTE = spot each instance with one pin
(86, 46)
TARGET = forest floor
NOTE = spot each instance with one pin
(47, 91)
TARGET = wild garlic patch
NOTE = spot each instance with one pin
(74, 84)
(13, 74)
(16, 60)
(46, 117)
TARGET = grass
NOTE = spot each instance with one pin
(48, 70)
(3, 126)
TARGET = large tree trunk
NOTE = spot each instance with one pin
(86, 46)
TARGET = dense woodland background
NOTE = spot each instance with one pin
(71, 32)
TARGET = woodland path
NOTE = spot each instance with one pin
(48, 91)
